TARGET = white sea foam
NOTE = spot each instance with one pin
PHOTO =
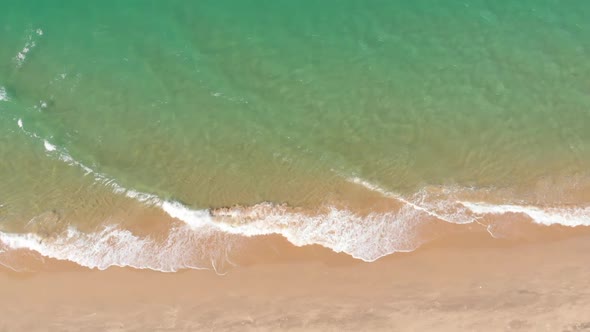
(48, 146)
(579, 216)
(3, 94)
(366, 237)
(111, 246)
(20, 123)
(204, 240)
(30, 44)
(363, 237)
(194, 218)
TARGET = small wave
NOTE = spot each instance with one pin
(579, 216)
(30, 44)
(436, 204)
(3, 94)
(447, 204)
(63, 155)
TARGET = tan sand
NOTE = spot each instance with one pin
(466, 283)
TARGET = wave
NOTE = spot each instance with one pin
(577, 216)
(447, 204)
(366, 237)
(466, 206)
(30, 44)
(208, 234)
(206, 241)
(430, 202)
(112, 246)
(3, 94)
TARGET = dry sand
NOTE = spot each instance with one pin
(456, 284)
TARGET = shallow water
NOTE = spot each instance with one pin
(362, 127)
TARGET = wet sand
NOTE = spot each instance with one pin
(468, 282)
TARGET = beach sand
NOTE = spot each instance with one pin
(467, 282)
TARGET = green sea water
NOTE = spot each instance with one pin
(223, 103)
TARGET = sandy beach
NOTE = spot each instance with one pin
(462, 283)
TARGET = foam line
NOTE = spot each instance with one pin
(579, 216)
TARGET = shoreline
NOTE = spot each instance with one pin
(457, 283)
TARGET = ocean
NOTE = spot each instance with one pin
(170, 135)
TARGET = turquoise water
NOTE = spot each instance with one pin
(217, 103)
